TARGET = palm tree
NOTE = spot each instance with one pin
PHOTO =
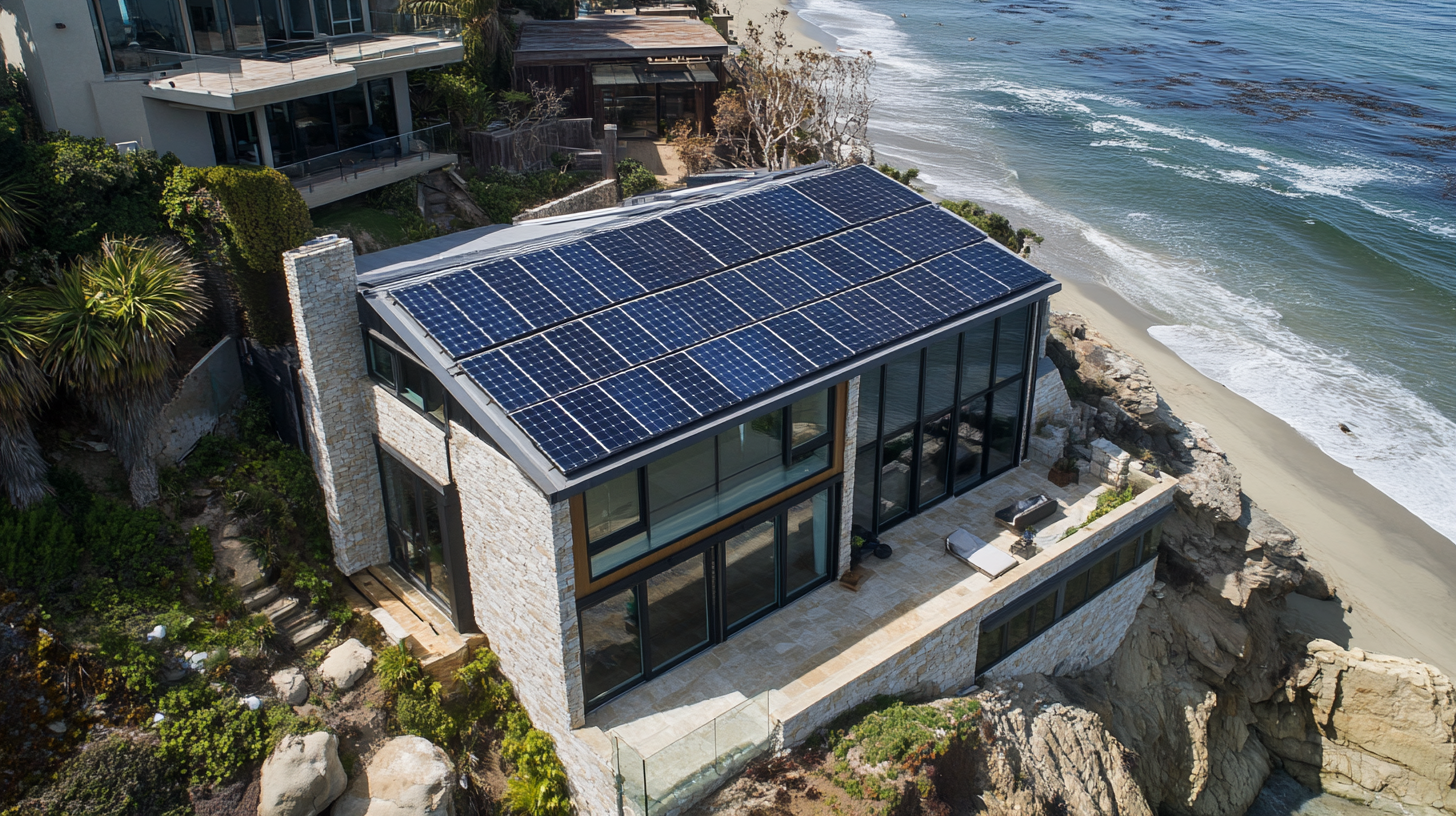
(16, 214)
(109, 325)
(486, 36)
(23, 387)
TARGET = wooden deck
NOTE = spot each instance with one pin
(409, 616)
(616, 36)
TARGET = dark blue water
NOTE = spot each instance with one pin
(1275, 180)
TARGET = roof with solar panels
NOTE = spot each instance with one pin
(581, 344)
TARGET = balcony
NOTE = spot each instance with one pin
(835, 648)
(241, 81)
(343, 173)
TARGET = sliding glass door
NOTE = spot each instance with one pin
(942, 419)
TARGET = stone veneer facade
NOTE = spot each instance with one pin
(846, 493)
(408, 431)
(337, 398)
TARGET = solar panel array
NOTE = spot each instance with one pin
(626, 333)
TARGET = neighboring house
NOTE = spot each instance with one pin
(314, 89)
(629, 447)
(641, 73)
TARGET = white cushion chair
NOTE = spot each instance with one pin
(979, 555)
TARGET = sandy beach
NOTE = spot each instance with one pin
(1395, 573)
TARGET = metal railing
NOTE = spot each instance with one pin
(436, 30)
(417, 145)
(690, 767)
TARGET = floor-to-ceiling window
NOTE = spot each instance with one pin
(941, 419)
(662, 615)
(313, 126)
(420, 530)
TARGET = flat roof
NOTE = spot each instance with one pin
(586, 345)
(616, 36)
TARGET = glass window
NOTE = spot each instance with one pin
(422, 390)
(1011, 345)
(133, 30)
(806, 543)
(620, 553)
(209, 19)
(1018, 630)
(869, 407)
(437, 573)
(864, 488)
(677, 611)
(1127, 558)
(381, 362)
(976, 358)
(1043, 612)
(810, 418)
(351, 117)
(988, 650)
(902, 387)
(935, 459)
(415, 517)
(896, 462)
(1151, 540)
(750, 574)
(1100, 575)
(244, 143)
(681, 492)
(750, 448)
(381, 104)
(612, 506)
(940, 373)
(970, 442)
(1076, 593)
(803, 465)
(1005, 416)
(611, 646)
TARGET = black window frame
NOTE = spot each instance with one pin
(1148, 536)
(713, 550)
(402, 363)
(788, 453)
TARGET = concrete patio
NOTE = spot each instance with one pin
(822, 643)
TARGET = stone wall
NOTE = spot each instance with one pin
(598, 196)
(1086, 637)
(846, 509)
(337, 398)
(522, 580)
(941, 661)
(408, 431)
(1109, 463)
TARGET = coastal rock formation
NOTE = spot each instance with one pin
(302, 776)
(408, 776)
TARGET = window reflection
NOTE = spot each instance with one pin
(677, 611)
(750, 574)
(806, 543)
(611, 645)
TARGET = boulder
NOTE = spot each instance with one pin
(346, 663)
(408, 776)
(302, 776)
(291, 686)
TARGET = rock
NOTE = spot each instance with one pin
(408, 776)
(291, 686)
(235, 562)
(302, 776)
(346, 663)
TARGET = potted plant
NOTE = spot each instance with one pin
(856, 551)
(1064, 472)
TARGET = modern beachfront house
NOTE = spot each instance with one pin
(634, 448)
(314, 89)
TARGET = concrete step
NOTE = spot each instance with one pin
(300, 621)
(261, 598)
(435, 197)
(281, 610)
(439, 209)
(309, 635)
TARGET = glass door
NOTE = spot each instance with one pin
(209, 22)
(415, 515)
(249, 31)
(342, 16)
(750, 575)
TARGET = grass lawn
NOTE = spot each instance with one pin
(352, 215)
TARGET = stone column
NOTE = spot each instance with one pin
(846, 501)
(338, 398)
(609, 151)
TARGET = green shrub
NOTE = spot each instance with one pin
(421, 712)
(213, 455)
(397, 668)
(504, 195)
(906, 735)
(127, 544)
(634, 178)
(401, 196)
(993, 224)
(38, 545)
(1106, 503)
(135, 664)
(211, 737)
(114, 777)
(199, 540)
(538, 787)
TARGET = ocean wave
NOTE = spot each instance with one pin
(1130, 144)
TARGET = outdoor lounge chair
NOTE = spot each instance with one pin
(1017, 517)
(977, 554)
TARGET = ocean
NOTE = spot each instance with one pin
(1274, 181)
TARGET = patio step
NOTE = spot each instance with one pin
(261, 598)
(430, 635)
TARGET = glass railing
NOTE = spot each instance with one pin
(417, 145)
(196, 70)
(430, 31)
(690, 767)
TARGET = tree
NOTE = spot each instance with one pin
(995, 225)
(23, 388)
(697, 151)
(17, 214)
(486, 36)
(109, 325)
(793, 107)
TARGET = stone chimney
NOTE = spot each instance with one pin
(338, 398)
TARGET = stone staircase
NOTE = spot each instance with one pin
(407, 615)
(296, 621)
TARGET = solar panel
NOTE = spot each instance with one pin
(648, 400)
(842, 327)
(979, 286)
(666, 321)
(710, 309)
(930, 287)
(796, 215)
(692, 383)
(875, 315)
(607, 421)
(447, 324)
(924, 232)
(816, 274)
(782, 285)
(628, 254)
(709, 235)
(808, 340)
(750, 227)
(677, 258)
(772, 353)
(910, 307)
(563, 281)
(559, 436)
(538, 306)
(587, 351)
(598, 271)
(872, 250)
(482, 305)
(1006, 268)
(846, 264)
(725, 361)
(745, 295)
(503, 381)
(858, 194)
(625, 335)
(545, 364)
